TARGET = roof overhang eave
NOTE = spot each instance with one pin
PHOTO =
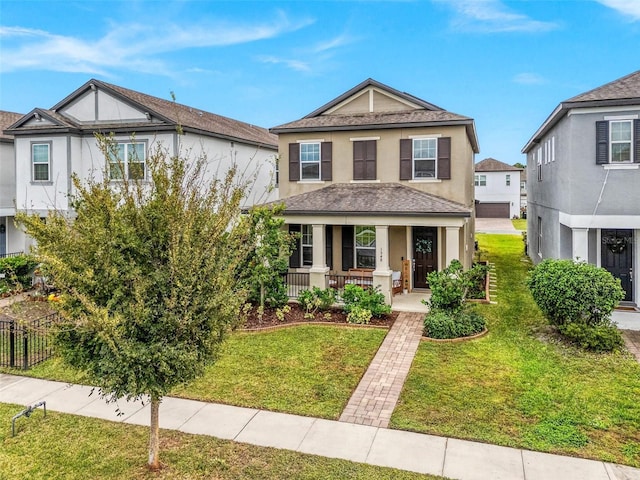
(375, 214)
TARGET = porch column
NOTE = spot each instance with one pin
(319, 268)
(580, 244)
(452, 242)
(382, 273)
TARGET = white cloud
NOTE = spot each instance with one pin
(625, 7)
(297, 65)
(527, 78)
(488, 16)
(130, 46)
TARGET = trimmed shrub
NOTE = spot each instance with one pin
(451, 286)
(317, 299)
(570, 292)
(600, 338)
(369, 299)
(441, 324)
(359, 315)
(17, 271)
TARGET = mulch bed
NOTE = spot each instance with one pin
(296, 315)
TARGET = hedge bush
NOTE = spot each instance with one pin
(600, 338)
(17, 271)
(451, 286)
(441, 324)
(368, 299)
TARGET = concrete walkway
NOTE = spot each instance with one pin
(496, 225)
(375, 398)
(456, 459)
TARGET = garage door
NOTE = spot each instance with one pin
(492, 210)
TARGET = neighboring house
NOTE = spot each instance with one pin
(523, 191)
(52, 144)
(584, 182)
(497, 189)
(374, 177)
(11, 239)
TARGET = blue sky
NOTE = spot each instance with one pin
(507, 64)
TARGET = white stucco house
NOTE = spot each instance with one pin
(497, 191)
(11, 240)
(51, 144)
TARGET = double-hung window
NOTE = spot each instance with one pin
(365, 245)
(307, 245)
(127, 160)
(310, 161)
(508, 180)
(480, 181)
(424, 157)
(620, 141)
(41, 162)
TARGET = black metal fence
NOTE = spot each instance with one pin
(12, 254)
(296, 282)
(24, 344)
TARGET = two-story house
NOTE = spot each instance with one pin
(374, 177)
(583, 170)
(497, 189)
(11, 239)
(51, 144)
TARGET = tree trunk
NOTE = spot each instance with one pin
(154, 435)
(262, 293)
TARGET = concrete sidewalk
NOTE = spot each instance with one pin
(452, 458)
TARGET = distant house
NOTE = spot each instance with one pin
(11, 240)
(51, 144)
(523, 190)
(583, 166)
(374, 177)
(497, 189)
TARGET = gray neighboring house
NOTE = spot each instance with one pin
(10, 237)
(583, 170)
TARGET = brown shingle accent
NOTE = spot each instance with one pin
(6, 120)
(493, 165)
(372, 199)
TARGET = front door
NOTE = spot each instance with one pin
(3, 237)
(425, 254)
(617, 257)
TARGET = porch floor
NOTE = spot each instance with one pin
(411, 302)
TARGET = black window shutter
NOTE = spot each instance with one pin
(602, 142)
(444, 158)
(294, 162)
(294, 259)
(328, 239)
(326, 152)
(347, 247)
(370, 160)
(636, 136)
(406, 157)
(359, 160)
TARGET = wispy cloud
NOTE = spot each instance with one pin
(629, 8)
(527, 78)
(492, 16)
(297, 65)
(132, 46)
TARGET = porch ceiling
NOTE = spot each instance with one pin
(372, 200)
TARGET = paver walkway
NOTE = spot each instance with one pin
(632, 341)
(376, 396)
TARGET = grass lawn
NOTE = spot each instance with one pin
(71, 447)
(308, 370)
(519, 223)
(519, 386)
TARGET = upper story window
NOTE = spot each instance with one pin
(508, 180)
(621, 141)
(41, 162)
(425, 158)
(127, 160)
(480, 180)
(618, 140)
(310, 160)
(365, 245)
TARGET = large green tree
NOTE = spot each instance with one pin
(147, 270)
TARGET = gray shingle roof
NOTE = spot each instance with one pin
(493, 165)
(6, 120)
(622, 88)
(372, 199)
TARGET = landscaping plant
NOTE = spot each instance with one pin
(148, 275)
(578, 298)
(316, 299)
(370, 299)
(359, 315)
(17, 272)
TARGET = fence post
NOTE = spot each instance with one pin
(12, 344)
(25, 349)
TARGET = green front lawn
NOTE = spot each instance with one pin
(309, 370)
(519, 223)
(519, 385)
(71, 447)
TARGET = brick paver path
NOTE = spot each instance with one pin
(632, 340)
(376, 396)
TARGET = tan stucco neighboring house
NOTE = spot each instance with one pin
(374, 177)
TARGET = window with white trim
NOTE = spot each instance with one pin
(41, 162)
(424, 157)
(127, 160)
(621, 141)
(508, 180)
(310, 161)
(539, 246)
(307, 245)
(365, 245)
(480, 180)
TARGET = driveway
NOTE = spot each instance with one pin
(495, 225)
